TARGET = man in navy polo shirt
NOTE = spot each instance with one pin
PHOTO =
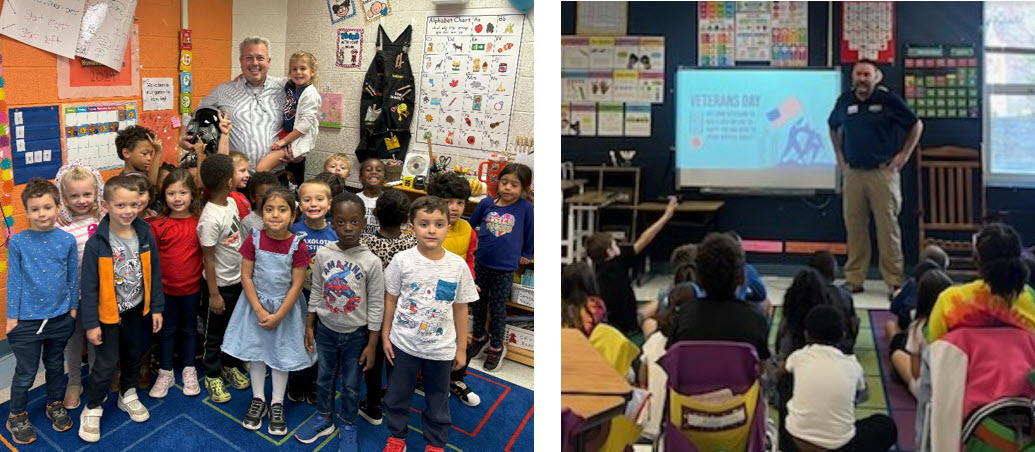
(863, 129)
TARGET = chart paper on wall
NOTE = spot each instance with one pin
(105, 31)
(53, 29)
(468, 80)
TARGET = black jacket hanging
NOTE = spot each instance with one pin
(387, 102)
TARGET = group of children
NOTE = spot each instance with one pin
(316, 285)
(812, 377)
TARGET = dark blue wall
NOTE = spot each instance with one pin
(795, 218)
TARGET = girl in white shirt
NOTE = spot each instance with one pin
(301, 111)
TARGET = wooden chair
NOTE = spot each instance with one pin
(952, 202)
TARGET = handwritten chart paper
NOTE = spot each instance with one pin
(51, 25)
(105, 31)
(80, 78)
(158, 94)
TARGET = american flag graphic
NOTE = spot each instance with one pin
(785, 112)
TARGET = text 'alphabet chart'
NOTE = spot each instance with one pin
(468, 77)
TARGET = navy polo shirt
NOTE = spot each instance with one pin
(868, 127)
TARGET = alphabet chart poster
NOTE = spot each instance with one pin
(468, 77)
(90, 131)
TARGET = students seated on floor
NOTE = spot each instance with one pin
(903, 302)
(826, 265)
(612, 264)
(827, 386)
(652, 376)
(720, 316)
(907, 347)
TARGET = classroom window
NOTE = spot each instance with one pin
(1009, 94)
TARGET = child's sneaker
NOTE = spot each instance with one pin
(317, 427)
(59, 418)
(90, 424)
(295, 394)
(278, 425)
(419, 387)
(237, 379)
(72, 393)
(494, 357)
(256, 411)
(129, 403)
(371, 413)
(310, 397)
(20, 428)
(395, 445)
(475, 346)
(190, 381)
(347, 439)
(216, 390)
(162, 384)
(430, 448)
(464, 393)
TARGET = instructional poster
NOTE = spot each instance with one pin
(90, 131)
(753, 37)
(715, 33)
(868, 31)
(790, 34)
(350, 48)
(468, 78)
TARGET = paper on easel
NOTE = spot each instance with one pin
(52, 26)
(105, 31)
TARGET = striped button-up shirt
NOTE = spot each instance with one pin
(256, 114)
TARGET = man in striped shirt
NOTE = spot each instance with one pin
(255, 102)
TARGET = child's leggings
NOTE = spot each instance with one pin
(257, 371)
(492, 302)
(181, 316)
(74, 353)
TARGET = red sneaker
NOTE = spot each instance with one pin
(395, 445)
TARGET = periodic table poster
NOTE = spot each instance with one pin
(36, 140)
(90, 131)
(467, 82)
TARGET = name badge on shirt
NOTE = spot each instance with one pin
(876, 108)
(853, 109)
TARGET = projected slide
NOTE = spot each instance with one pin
(755, 129)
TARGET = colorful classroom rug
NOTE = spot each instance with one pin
(886, 395)
(502, 422)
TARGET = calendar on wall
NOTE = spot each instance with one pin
(468, 78)
(943, 83)
(90, 131)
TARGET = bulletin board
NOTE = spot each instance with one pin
(90, 131)
(469, 72)
(36, 135)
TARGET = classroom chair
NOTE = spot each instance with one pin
(714, 399)
(981, 376)
(570, 423)
(951, 194)
(620, 352)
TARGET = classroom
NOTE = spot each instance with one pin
(287, 150)
(797, 226)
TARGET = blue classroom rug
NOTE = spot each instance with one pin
(502, 422)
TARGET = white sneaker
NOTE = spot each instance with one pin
(162, 384)
(90, 424)
(191, 387)
(129, 403)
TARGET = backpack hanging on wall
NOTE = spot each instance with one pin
(387, 102)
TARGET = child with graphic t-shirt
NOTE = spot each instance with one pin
(344, 322)
(372, 176)
(314, 199)
(427, 291)
(504, 242)
(219, 232)
(121, 300)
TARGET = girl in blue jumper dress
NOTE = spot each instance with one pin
(504, 242)
(267, 326)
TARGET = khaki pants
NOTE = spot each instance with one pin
(877, 191)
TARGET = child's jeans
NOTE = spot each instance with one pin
(492, 302)
(338, 354)
(181, 315)
(74, 353)
(215, 326)
(435, 420)
(27, 342)
(120, 343)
